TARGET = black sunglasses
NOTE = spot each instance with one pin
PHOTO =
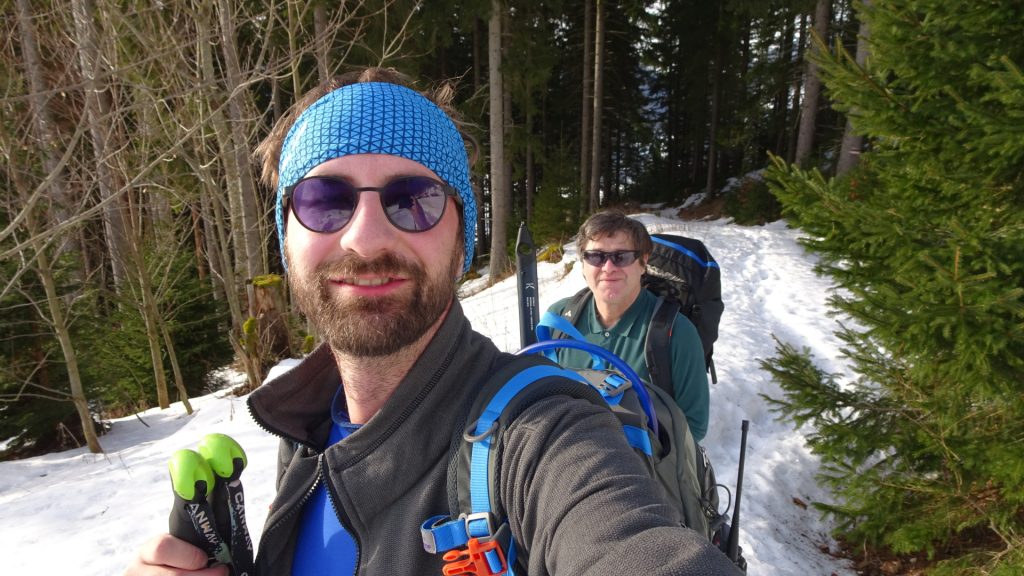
(325, 204)
(619, 258)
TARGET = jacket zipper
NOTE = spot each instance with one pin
(332, 498)
(295, 509)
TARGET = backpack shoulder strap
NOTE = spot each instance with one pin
(478, 518)
(657, 349)
(573, 308)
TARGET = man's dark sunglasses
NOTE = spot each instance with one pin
(325, 204)
(619, 258)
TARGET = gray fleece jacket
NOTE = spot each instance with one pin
(578, 498)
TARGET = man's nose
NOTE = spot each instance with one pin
(369, 233)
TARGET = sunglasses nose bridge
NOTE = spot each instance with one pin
(369, 207)
(368, 231)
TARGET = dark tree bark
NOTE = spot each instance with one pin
(812, 88)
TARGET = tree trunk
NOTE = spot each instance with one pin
(476, 178)
(321, 34)
(197, 243)
(812, 88)
(294, 53)
(853, 143)
(150, 317)
(785, 141)
(587, 106)
(531, 181)
(595, 158)
(717, 69)
(211, 246)
(56, 189)
(179, 381)
(100, 122)
(60, 328)
(499, 195)
(529, 184)
(220, 227)
(507, 126)
(255, 260)
(793, 127)
(58, 322)
(219, 230)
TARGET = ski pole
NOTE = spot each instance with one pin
(732, 548)
(227, 461)
(191, 516)
(526, 276)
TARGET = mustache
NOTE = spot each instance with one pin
(389, 264)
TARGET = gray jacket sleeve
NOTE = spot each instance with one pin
(580, 500)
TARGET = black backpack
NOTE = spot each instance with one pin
(475, 538)
(686, 277)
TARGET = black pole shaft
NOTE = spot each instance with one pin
(526, 276)
(732, 548)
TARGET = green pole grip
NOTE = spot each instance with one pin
(191, 476)
(227, 460)
(191, 517)
(224, 455)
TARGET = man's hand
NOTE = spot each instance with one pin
(166, 555)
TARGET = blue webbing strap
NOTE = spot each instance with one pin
(493, 561)
(479, 486)
(511, 556)
(612, 387)
(684, 250)
(441, 534)
(549, 321)
(638, 438)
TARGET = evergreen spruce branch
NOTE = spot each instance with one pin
(841, 68)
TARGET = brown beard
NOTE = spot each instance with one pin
(379, 326)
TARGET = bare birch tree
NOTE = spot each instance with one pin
(252, 253)
(97, 110)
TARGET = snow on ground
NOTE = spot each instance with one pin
(75, 512)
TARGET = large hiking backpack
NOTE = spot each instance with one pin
(475, 538)
(686, 277)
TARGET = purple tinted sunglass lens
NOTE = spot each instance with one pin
(414, 204)
(323, 205)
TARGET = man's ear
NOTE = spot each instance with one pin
(460, 270)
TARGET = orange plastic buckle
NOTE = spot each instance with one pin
(472, 560)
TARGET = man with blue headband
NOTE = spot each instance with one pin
(376, 217)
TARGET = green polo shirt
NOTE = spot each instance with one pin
(626, 339)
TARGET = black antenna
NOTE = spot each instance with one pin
(732, 547)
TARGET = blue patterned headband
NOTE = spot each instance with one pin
(378, 118)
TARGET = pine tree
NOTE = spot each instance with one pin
(925, 239)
